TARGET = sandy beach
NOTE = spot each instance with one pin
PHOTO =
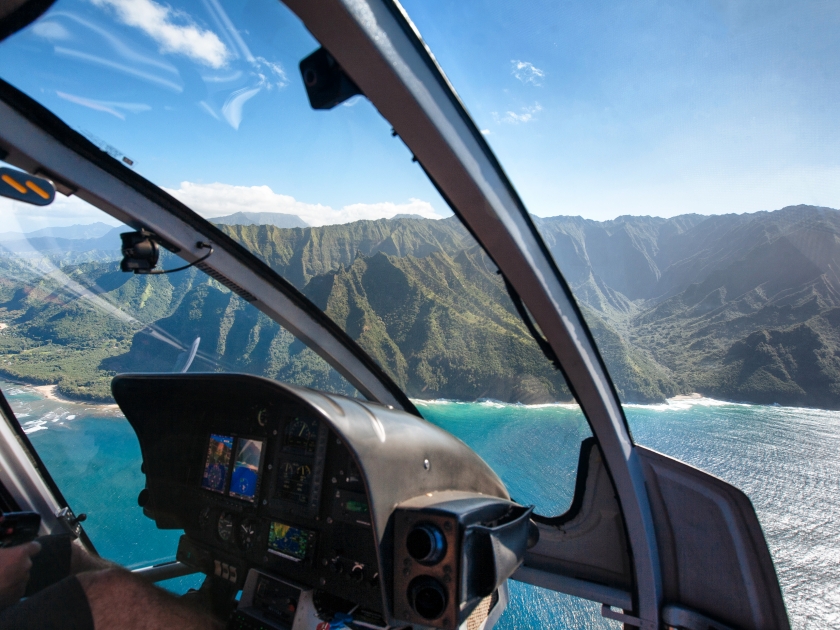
(692, 396)
(50, 392)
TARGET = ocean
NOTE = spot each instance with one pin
(785, 459)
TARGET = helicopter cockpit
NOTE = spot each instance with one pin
(268, 371)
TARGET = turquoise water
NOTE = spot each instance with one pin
(785, 459)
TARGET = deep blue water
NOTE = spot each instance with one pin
(785, 459)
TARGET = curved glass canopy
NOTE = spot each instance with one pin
(204, 100)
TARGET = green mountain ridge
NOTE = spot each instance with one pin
(742, 307)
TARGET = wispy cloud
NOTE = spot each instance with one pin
(527, 72)
(232, 109)
(51, 30)
(120, 67)
(111, 107)
(215, 200)
(173, 31)
(120, 48)
(524, 115)
(228, 30)
(203, 105)
(270, 73)
(232, 74)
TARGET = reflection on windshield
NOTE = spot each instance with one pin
(71, 317)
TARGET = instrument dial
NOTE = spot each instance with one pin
(224, 527)
(248, 534)
(204, 518)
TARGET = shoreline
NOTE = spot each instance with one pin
(691, 396)
(50, 393)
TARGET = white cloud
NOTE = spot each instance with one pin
(527, 72)
(159, 23)
(525, 114)
(270, 73)
(216, 200)
(111, 107)
(16, 216)
(485, 132)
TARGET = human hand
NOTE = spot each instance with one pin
(15, 563)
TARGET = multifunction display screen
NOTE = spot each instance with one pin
(290, 542)
(294, 481)
(246, 469)
(218, 462)
(245, 475)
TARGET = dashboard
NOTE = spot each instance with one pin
(307, 500)
(285, 497)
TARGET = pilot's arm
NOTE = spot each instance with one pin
(70, 588)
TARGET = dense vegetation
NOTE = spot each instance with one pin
(743, 307)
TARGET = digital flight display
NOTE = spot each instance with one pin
(288, 541)
(294, 481)
(246, 469)
(301, 436)
(218, 462)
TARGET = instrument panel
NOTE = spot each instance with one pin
(288, 499)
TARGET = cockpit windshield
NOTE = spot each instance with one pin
(685, 113)
(206, 100)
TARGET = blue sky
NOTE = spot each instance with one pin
(595, 109)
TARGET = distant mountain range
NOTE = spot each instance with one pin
(742, 307)
(109, 243)
(277, 219)
(89, 230)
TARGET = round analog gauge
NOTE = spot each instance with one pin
(204, 518)
(225, 526)
(248, 534)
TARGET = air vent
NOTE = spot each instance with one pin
(230, 284)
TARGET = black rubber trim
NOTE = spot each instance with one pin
(23, 16)
(546, 348)
(51, 124)
(437, 72)
(36, 460)
(548, 351)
